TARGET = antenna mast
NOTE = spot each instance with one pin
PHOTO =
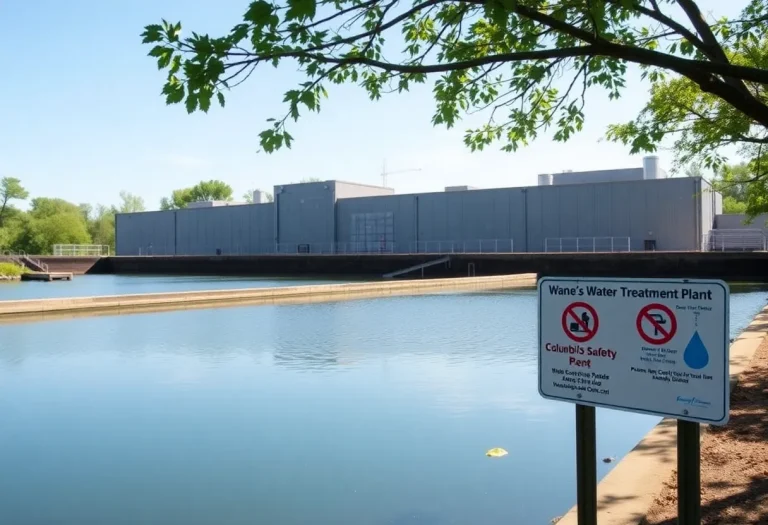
(385, 173)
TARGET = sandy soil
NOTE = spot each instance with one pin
(734, 459)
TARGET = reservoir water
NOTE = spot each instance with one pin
(89, 285)
(371, 412)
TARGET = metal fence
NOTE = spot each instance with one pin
(742, 240)
(330, 248)
(359, 247)
(80, 250)
(472, 246)
(587, 244)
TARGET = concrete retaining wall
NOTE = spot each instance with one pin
(732, 267)
(180, 300)
(627, 492)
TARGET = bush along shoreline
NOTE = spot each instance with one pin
(11, 271)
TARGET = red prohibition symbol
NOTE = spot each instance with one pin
(656, 324)
(580, 322)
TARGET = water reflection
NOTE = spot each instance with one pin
(363, 412)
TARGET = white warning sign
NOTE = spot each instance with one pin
(652, 346)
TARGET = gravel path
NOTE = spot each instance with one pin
(734, 459)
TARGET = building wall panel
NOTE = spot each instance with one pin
(673, 212)
(663, 210)
(306, 215)
(145, 232)
(402, 208)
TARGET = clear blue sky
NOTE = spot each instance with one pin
(81, 117)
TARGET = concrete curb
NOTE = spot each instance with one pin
(45, 308)
(627, 492)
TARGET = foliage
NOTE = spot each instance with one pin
(731, 205)
(701, 123)
(9, 269)
(527, 63)
(211, 190)
(179, 199)
(52, 221)
(10, 189)
(729, 181)
(744, 187)
(694, 170)
(101, 226)
(56, 221)
(130, 203)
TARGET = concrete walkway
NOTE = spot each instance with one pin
(38, 309)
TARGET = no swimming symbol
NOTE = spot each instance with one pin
(656, 324)
(580, 322)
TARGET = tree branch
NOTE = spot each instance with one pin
(713, 49)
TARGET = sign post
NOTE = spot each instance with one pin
(688, 473)
(586, 465)
(654, 346)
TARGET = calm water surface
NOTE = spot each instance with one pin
(88, 285)
(374, 412)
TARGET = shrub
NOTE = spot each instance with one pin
(11, 269)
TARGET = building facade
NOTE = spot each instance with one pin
(612, 210)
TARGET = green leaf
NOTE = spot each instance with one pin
(220, 96)
(300, 9)
(164, 60)
(259, 13)
(191, 102)
(175, 65)
(204, 100)
(173, 91)
(152, 33)
(159, 51)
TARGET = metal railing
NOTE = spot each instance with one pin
(743, 240)
(340, 248)
(81, 250)
(329, 248)
(20, 257)
(587, 244)
(471, 246)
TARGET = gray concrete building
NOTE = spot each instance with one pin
(610, 210)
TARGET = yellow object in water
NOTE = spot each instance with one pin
(496, 453)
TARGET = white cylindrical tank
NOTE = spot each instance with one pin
(651, 167)
(257, 196)
(545, 179)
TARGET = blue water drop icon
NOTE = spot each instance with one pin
(696, 355)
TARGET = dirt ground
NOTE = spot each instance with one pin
(734, 459)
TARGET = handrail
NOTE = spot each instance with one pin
(25, 260)
(747, 239)
(587, 244)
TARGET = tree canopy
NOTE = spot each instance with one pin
(10, 189)
(210, 190)
(130, 203)
(51, 221)
(527, 63)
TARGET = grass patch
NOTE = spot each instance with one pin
(10, 269)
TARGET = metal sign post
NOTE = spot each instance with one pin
(586, 465)
(653, 346)
(688, 473)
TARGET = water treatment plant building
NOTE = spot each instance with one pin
(609, 210)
